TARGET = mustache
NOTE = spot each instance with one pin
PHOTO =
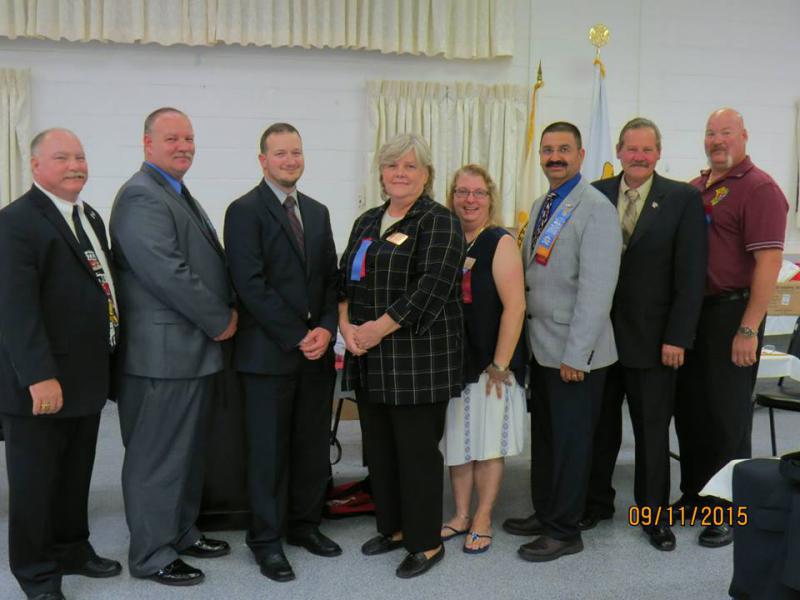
(640, 163)
(716, 147)
(555, 163)
(75, 175)
(183, 155)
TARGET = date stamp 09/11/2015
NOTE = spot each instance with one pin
(688, 516)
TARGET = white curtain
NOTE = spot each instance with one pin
(471, 29)
(462, 122)
(15, 133)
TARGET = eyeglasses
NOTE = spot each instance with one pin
(464, 193)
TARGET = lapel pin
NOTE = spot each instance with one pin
(655, 204)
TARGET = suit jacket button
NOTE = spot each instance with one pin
(529, 316)
(527, 288)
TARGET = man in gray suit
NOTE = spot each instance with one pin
(177, 303)
(572, 252)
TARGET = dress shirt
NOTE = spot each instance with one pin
(65, 208)
(622, 199)
(281, 195)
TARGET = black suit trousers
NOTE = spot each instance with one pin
(401, 444)
(650, 394)
(49, 463)
(714, 408)
(563, 420)
(288, 430)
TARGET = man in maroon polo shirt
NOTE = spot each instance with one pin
(746, 215)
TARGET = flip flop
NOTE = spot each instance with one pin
(474, 536)
(455, 533)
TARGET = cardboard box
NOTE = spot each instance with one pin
(786, 299)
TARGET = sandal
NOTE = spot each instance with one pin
(474, 537)
(455, 532)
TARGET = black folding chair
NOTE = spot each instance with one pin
(786, 394)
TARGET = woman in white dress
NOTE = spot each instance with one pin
(486, 423)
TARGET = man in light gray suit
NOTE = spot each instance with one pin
(177, 302)
(571, 250)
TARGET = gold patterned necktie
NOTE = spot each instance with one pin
(629, 215)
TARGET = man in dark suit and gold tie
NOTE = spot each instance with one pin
(656, 307)
(58, 331)
(283, 265)
(177, 306)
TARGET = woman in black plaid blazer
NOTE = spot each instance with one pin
(400, 316)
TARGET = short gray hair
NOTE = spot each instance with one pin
(39, 138)
(151, 118)
(639, 123)
(398, 146)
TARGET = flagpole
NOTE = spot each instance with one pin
(532, 117)
(527, 191)
(598, 163)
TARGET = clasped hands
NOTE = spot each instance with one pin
(316, 342)
(360, 338)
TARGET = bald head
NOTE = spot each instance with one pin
(58, 163)
(725, 140)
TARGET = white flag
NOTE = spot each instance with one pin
(599, 158)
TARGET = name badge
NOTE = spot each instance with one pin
(397, 238)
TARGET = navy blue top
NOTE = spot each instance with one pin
(482, 315)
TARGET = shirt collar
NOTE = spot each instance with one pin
(565, 188)
(279, 193)
(737, 171)
(643, 189)
(174, 183)
(64, 206)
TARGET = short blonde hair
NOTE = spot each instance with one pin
(396, 147)
(478, 171)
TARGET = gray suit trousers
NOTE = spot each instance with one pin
(164, 424)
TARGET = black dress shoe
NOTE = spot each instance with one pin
(178, 573)
(207, 548)
(380, 544)
(661, 537)
(275, 566)
(97, 567)
(716, 536)
(527, 526)
(417, 563)
(315, 542)
(48, 596)
(545, 548)
(590, 520)
(688, 501)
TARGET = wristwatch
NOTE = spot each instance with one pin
(746, 332)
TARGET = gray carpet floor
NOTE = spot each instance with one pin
(617, 563)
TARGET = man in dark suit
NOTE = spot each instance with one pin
(58, 325)
(656, 307)
(283, 265)
(175, 295)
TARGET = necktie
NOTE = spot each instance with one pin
(629, 216)
(544, 215)
(99, 273)
(194, 207)
(290, 206)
